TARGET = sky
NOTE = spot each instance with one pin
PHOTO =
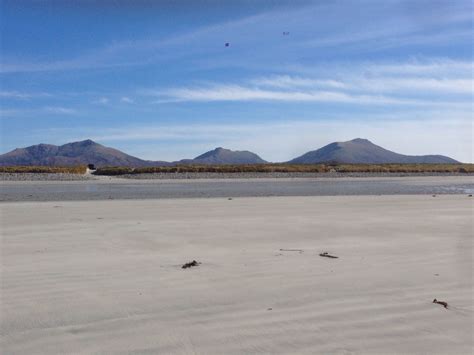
(157, 80)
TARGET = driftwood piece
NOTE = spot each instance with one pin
(327, 255)
(444, 304)
(190, 264)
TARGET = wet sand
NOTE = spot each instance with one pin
(105, 276)
(119, 188)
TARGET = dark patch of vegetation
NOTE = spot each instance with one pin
(292, 168)
(43, 169)
(406, 168)
(244, 168)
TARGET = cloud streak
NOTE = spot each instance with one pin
(127, 100)
(22, 95)
(31, 112)
(101, 101)
(450, 82)
(374, 84)
(60, 110)
(242, 93)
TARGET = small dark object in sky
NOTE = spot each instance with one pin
(286, 33)
(190, 264)
(227, 44)
(445, 304)
(327, 255)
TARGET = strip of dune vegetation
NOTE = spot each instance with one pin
(43, 169)
(287, 168)
(251, 168)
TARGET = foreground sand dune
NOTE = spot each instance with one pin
(105, 276)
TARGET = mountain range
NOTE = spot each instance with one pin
(362, 151)
(89, 152)
(77, 153)
(225, 156)
(356, 151)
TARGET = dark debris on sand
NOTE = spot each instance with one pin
(190, 264)
(444, 304)
(327, 255)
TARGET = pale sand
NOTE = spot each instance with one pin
(105, 277)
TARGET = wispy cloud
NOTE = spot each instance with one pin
(438, 67)
(385, 84)
(60, 110)
(127, 100)
(99, 59)
(384, 38)
(289, 81)
(405, 83)
(31, 112)
(242, 93)
(22, 95)
(101, 101)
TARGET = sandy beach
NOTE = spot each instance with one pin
(99, 277)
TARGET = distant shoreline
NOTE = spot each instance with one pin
(119, 188)
(275, 175)
(215, 175)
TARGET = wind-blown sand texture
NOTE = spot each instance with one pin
(106, 277)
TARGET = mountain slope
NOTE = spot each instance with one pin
(225, 156)
(88, 152)
(77, 153)
(362, 151)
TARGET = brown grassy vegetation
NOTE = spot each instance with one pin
(405, 168)
(43, 169)
(288, 168)
(256, 168)
(113, 170)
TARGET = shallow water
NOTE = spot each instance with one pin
(137, 189)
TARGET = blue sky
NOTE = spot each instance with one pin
(155, 79)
